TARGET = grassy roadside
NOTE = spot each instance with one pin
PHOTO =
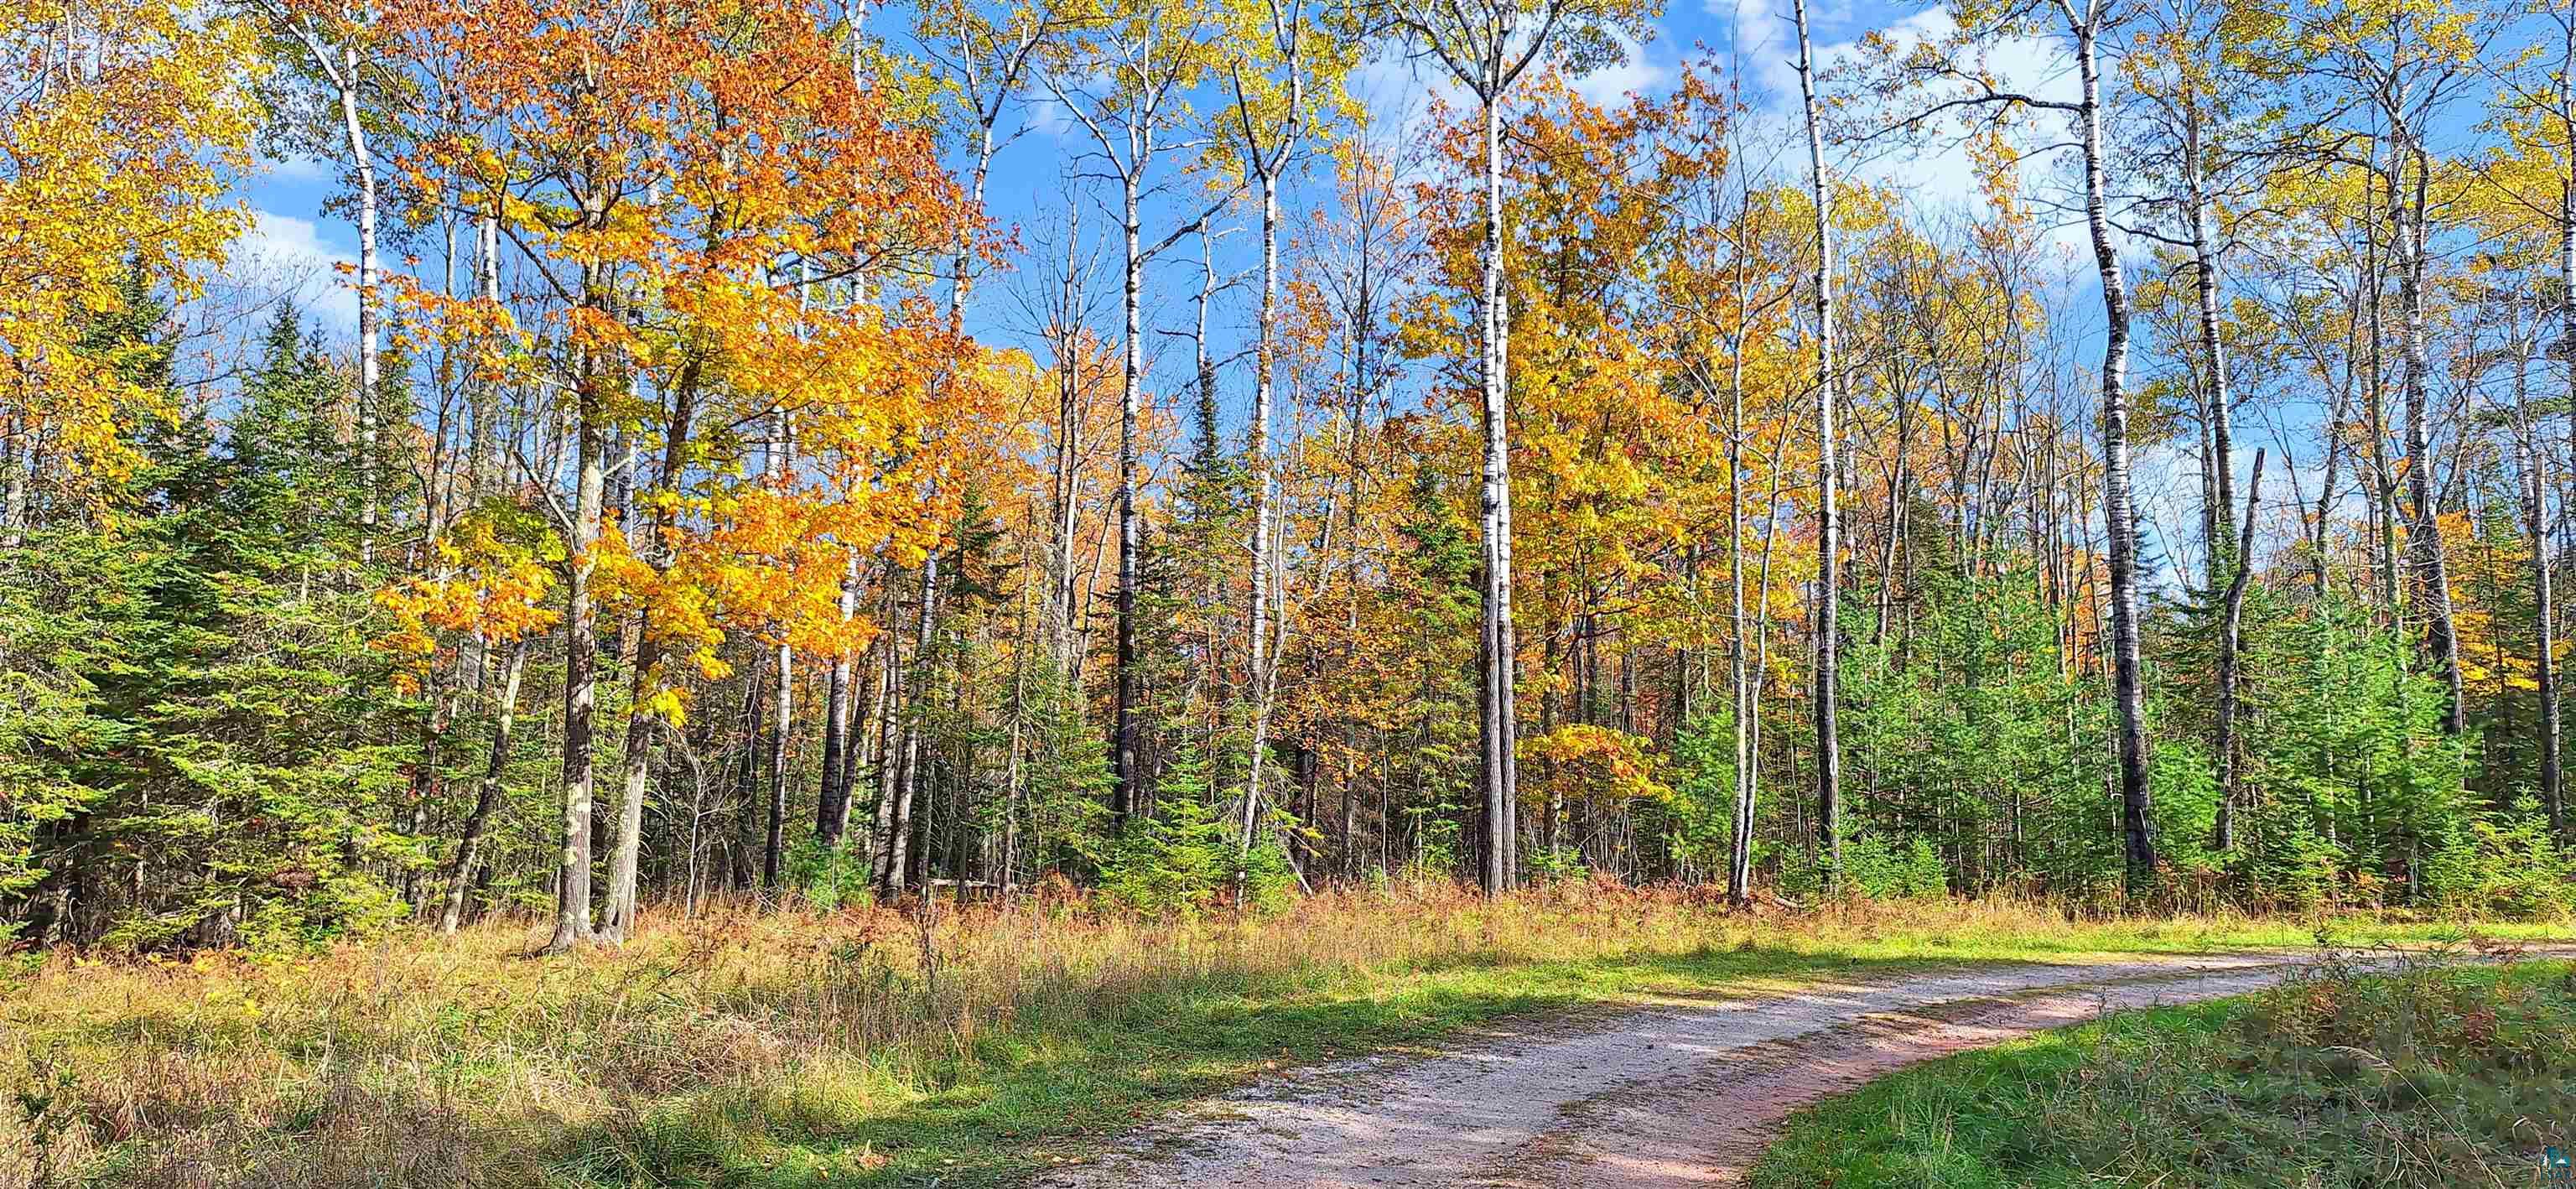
(2342, 1080)
(859, 1047)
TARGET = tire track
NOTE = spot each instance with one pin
(1671, 1095)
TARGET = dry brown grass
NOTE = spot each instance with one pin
(750, 1047)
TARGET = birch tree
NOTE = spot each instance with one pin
(1829, 816)
(1953, 69)
(1486, 46)
(1125, 80)
(1279, 73)
(334, 38)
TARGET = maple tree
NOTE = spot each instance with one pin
(1487, 48)
(729, 486)
(126, 124)
(681, 327)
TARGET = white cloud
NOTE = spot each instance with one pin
(2166, 484)
(1636, 73)
(1047, 116)
(1933, 169)
(288, 257)
(300, 168)
(1766, 38)
(1398, 90)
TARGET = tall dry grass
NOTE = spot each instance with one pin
(416, 1060)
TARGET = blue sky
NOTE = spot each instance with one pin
(296, 242)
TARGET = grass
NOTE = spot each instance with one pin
(867, 1046)
(2344, 1077)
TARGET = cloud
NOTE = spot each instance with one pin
(1636, 74)
(1047, 117)
(1397, 90)
(1765, 36)
(1934, 169)
(2166, 484)
(288, 257)
(300, 169)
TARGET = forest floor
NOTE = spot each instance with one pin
(765, 1049)
(1686, 1092)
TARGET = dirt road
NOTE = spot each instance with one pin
(1682, 1094)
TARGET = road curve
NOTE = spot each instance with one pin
(1680, 1094)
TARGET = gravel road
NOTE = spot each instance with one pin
(1679, 1094)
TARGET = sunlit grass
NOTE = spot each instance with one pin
(2346, 1080)
(799, 1048)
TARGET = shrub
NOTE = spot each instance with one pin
(1554, 865)
(1874, 867)
(2504, 865)
(828, 877)
(1182, 858)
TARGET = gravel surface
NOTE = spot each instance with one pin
(1672, 1095)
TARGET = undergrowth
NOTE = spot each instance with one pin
(859, 1045)
(2398, 1073)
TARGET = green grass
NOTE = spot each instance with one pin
(766, 1051)
(1035, 1096)
(2421, 1077)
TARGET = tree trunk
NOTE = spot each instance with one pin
(16, 443)
(832, 802)
(1124, 774)
(1257, 629)
(1739, 867)
(2213, 351)
(893, 682)
(773, 854)
(581, 653)
(2544, 623)
(2425, 535)
(369, 363)
(618, 921)
(487, 797)
(906, 781)
(1828, 529)
(2137, 825)
(2552, 781)
(1499, 735)
(2230, 645)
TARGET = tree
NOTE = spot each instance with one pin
(664, 188)
(1146, 58)
(1486, 46)
(126, 123)
(1828, 538)
(1272, 116)
(333, 37)
(1949, 65)
(2394, 69)
(234, 778)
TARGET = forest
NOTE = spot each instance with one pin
(1194, 454)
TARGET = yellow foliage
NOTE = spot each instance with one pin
(125, 122)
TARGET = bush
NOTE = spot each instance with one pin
(2506, 865)
(1554, 865)
(2287, 862)
(1183, 858)
(828, 877)
(1874, 868)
